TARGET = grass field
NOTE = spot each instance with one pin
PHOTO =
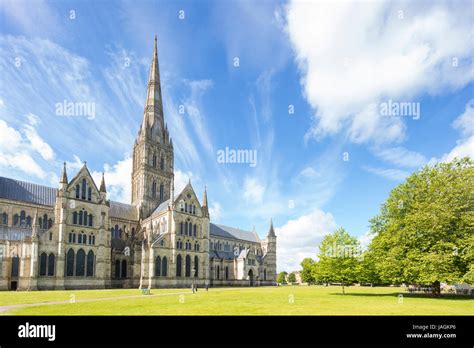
(285, 300)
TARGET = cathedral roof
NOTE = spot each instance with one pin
(122, 211)
(27, 192)
(233, 233)
(163, 206)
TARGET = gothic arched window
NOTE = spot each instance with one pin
(4, 219)
(90, 264)
(22, 218)
(70, 263)
(74, 218)
(162, 163)
(45, 221)
(78, 190)
(188, 266)
(227, 273)
(43, 260)
(80, 263)
(179, 262)
(89, 194)
(80, 217)
(117, 269)
(85, 218)
(51, 264)
(154, 160)
(84, 186)
(124, 269)
(162, 192)
(16, 219)
(153, 189)
(196, 266)
(158, 266)
(164, 267)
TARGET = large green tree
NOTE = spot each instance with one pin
(424, 232)
(282, 277)
(338, 258)
(291, 278)
(307, 275)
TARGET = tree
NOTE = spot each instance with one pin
(366, 271)
(338, 258)
(282, 277)
(423, 233)
(291, 278)
(307, 274)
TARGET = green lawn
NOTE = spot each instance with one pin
(285, 300)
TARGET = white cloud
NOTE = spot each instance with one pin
(253, 190)
(16, 151)
(300, 238)
(309, 172)
(465, 145)
(353, 55)
(194, 110)
(465, 122)
(401, 157)
(37, 143)
(365, 239)
(215, 211)
(181, 179)
(117, 180)
(463, 148)
(388, 173)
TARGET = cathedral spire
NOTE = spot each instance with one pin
(271, 232)
(63, 175)
(153, 122)
(102, 184)
(205, 208)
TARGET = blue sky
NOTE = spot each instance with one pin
(330, 163)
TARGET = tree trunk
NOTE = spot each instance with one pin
(343, 292)
(436, 289)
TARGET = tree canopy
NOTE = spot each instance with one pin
(424, 232)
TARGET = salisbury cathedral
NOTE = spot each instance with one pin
(73, 237)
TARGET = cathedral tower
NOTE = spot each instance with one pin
(153, 157)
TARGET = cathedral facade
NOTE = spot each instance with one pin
(74, 237)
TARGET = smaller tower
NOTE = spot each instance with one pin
(102, 190)
(63, 182)
(270, 257)
(205, 208)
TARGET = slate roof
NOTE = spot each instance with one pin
(164, 205)
(122, 211)
(28, 192)
(233, 233)
(229, 255)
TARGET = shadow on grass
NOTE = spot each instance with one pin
(408, 295)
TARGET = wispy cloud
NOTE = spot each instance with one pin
(401, 157)
(388, 173)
